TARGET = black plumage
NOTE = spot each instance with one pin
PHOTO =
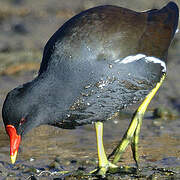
(82, 77)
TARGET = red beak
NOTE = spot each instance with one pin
(14, 142)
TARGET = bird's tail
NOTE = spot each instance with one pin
(172, 11)
(169, 14)
(162, 24)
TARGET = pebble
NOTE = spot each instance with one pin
(164, 113)
(19, 28)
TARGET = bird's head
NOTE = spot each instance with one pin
(17, 117)
(28, 106)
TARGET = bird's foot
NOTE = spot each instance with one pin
(123, 170)
(101, 171)
(113, 169)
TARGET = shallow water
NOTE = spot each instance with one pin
(48, 149)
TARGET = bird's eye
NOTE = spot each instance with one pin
(22, 121)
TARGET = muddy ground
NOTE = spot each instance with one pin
(45, 152)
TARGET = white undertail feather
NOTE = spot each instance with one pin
(143, 57)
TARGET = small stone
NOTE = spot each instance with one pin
(73, 161)
(54, 165)
(19, 28)
(57, 159)
(32, 159)
(31, 170)
(67, 163)
(32, 178)
(164, 113)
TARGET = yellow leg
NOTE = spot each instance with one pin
(118, 151)
(135, 140)
(104, 164)
(132, 134)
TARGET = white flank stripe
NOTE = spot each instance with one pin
(130, 59)
(148, 59)
(156, 60)
(177, 30)
(117, 60)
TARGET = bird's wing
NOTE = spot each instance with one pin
(112, 87)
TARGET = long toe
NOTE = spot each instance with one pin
(101, 171)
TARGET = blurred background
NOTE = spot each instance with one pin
(25, 27)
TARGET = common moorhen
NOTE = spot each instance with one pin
(99, 62)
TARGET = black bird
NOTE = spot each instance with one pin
(99, 62)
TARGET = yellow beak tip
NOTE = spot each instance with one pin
(13, 157)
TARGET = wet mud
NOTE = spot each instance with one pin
(52, 153)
